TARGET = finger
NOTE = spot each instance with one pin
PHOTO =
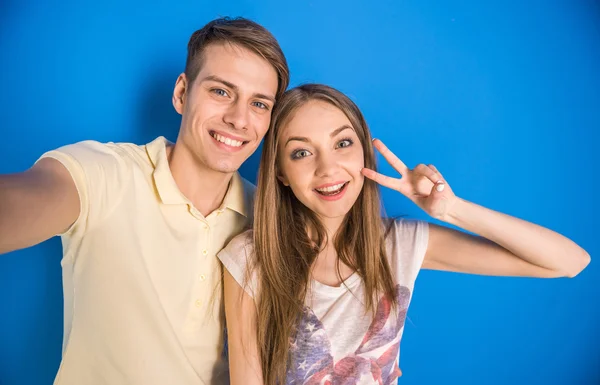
(428, 173)
(392, 159)
(380, 178)
(422, 186)
(440, 185)
(436, 170)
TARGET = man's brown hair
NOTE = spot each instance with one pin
(239, 32)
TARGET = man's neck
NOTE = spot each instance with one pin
(205, 188)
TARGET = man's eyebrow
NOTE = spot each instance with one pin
(306, 140)
(217, 79)
(266, 97)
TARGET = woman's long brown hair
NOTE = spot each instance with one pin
(284, 253)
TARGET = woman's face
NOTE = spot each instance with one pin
(320, 158)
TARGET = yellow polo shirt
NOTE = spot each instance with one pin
(140, 274)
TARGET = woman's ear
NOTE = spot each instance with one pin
(283, 180)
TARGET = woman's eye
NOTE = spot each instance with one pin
(300, 154)
(345, 143)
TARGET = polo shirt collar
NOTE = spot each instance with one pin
(235, 196)
(168, 190)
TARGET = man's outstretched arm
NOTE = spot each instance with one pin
(36, 204)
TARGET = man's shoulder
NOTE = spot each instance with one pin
(104, 153)
(128, 151)
(248, 186)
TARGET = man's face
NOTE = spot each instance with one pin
(226, 111)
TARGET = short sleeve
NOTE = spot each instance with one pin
(98, 170)
(407, 245)
(237, 258)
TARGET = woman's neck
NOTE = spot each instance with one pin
(331, 225)
(325, 266)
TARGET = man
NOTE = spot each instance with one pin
(141, 225)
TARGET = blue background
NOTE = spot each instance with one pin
(503, 96)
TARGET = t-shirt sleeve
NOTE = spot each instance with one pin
(99, 171)
(237, 258)
(408, 240)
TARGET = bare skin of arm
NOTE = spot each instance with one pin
(505, 245)
(36, 204)
(240, 313)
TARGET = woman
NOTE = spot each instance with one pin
(318, 291)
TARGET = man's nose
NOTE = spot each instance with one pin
(236, 115)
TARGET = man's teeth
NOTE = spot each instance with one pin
(227, 141)
(331, 188)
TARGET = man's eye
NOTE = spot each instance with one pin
(261, 105)
(219, 92)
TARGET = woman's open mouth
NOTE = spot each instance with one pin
(332, 192)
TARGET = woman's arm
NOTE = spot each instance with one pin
(240, 314)
(506, 246)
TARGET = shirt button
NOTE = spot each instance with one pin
(205, 226)
(202, 277)
(204, 252)
(219, 212)
(198, 303)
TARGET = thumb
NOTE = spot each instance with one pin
(436, 201)
(438, 188)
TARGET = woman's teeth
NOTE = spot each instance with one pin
(227, 141)
(331, 190)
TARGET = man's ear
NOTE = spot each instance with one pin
(283, 180)
(179, 93)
